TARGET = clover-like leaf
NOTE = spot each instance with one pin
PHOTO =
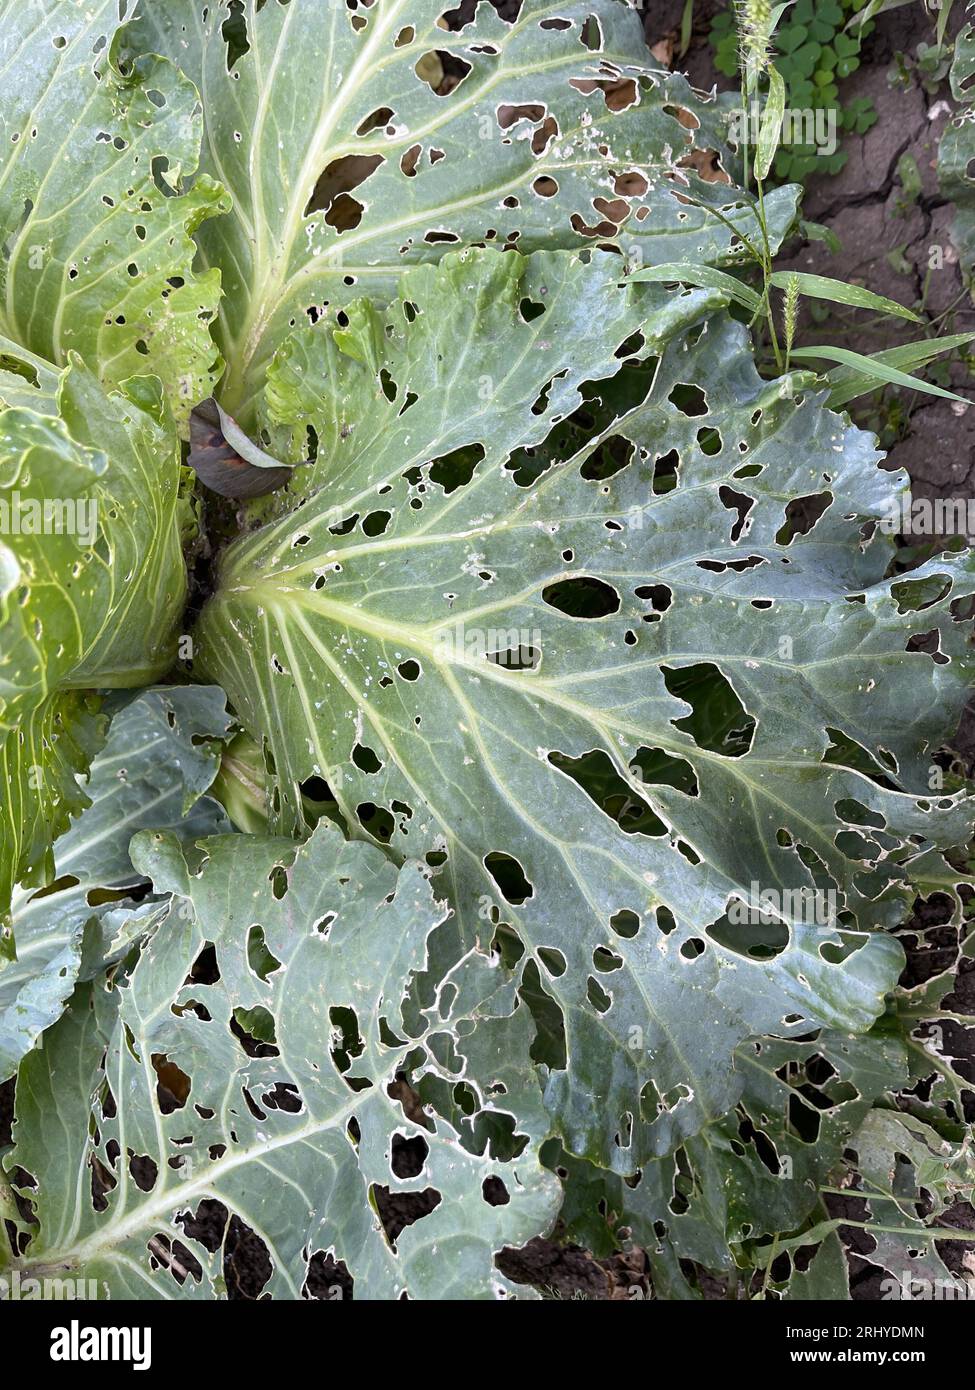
(624, 650)
(361, 139)
(259, 1056)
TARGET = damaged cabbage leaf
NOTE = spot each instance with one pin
(257, 1057)
(92, 588)
(935, 1025)
(162, 754)
(660, 713)
(890, 1144)
(756, 1172)
(356, 140)
(908, 1176)
(96, 233)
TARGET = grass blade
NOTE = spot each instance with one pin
(873, 368)
(847, 383)
(771, 127)
(704, 276)
(837, 292)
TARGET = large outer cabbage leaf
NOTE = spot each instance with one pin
(556, 134)
(162, 753)
(301, 1137)
(97, 249)
(493, 610)
(90, 598)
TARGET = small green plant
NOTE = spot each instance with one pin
(759, 127)
(816, 50)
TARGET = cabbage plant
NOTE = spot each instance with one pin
(502, 810)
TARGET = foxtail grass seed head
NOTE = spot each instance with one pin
(791, 311)
(754, 21)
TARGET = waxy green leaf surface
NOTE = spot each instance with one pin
(95, 141)
(483, 613)
(302, 1138)
(161, 755)
(91, 593)
(357, 140)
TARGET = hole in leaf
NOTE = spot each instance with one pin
(456, 469)
(606, 961)
(144, 1171)
(510, 877)
(254, 1030)
(599, 779)
(442, 72)
(365, 759)
(659, 595)
(397, 1210)
(752, 938)
(172, 1255)
(739, 503)
(666, 472)
(380, 117)
(376, 523)
(586, 597)
(172, 1084)
(517, 653)
(689, 399)
(804, 1120)
(234, 34)
(659, 768)
(338, 179)
(554, 961)
(344, 213)
(610, 458)
(377, 821)
(591, 36)
(597, 996)
(719, 721)
(278, 879)
(408, 1155)
(259, 958)
(494, 1192)
(625, 923)
(801, 515)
